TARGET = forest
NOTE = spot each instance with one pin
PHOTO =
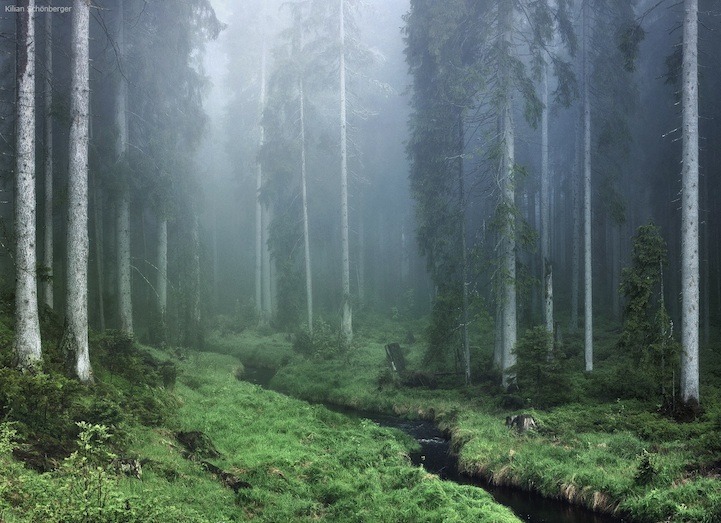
(360, 260)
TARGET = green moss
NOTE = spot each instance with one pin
(587, 452)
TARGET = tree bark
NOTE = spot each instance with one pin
(576, 233)
(347, 320)
(162, 261)
(125, 303)
(545, 216)
(259, 212)
(47, 284)
(587, 251)
(304, 194)
(76, 307)
(508, 203)
(99, 250)
(689, 209)
(464, 257)
(28, 350)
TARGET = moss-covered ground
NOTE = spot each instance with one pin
(264, 456)
(616, 456)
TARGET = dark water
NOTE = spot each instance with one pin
(436, 458)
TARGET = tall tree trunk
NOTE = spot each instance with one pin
(99, 250)
(47, 284)
(267, 267)
(195, 311)
(689, 209)
(162, 282)
(123, 250)
(125, 303)
(616, 271)
(347, 320)
(76, 306)
(546, 266)
(28, 350)
(508, 203)
(464, 256)
(304, 194)
(259, 225)
(575, 180)
(587, 254)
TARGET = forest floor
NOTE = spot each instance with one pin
(615, 456)
(198, 445)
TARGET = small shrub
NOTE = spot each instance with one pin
(645, 471)
(540, 375)
(324, 343)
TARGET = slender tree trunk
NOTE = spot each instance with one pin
(616, 271)
(508, 202)
(576, 234)
(361, 258)
(267, 267)
(545, 216)
(162, 283)
(706, 274)
(689, 210)
(347, 320)
(76, 307)
(259, 225)
(498, 336)
(195, 311)
(47, 284)
(587, 254)
(28, 350)
(304, 193)
(464, 256)
(99, 250)
(123, 239)
(125, 303)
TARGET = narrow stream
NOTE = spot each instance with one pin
(435, 456)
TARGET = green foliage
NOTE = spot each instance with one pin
(646, 471)
(324, 343)
(540, 375)
(39, 402)
(647, 336)
(118, 352)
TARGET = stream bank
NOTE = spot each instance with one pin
(435, 456)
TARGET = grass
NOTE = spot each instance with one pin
(615, 456)
(301, 461)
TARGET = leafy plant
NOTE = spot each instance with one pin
(540, 376)
(647, 335)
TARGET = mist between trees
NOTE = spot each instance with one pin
(173, 168)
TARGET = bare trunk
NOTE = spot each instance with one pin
(259, 214)
(464, 257)
(267, 265)
(689, 209)
(587, 254)
(546, 266)
(508, 203)
(616, 272)
(76, 307)
(27, 326)
(576, 234)
(306, 228)
(47, 284)
(99, 250)
(347, 320)
(125, 303)
(162, 261)
(196, 327)
(498, 336)
(123, 239)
